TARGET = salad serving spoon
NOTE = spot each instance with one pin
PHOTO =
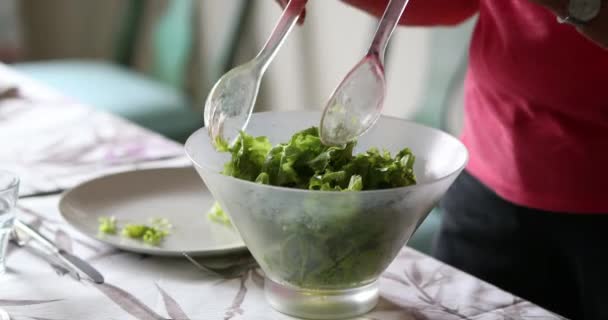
(230, 102)
(357, 102)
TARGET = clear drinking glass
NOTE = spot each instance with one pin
(9, 186)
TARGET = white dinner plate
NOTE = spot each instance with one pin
(177, 194)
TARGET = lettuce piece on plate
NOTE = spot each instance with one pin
(217, 214)
(107, 225)
(152, 234)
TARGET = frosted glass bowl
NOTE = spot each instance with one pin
(322, 252)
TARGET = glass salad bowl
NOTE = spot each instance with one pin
(323, 251)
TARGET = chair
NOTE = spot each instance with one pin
(157, 99)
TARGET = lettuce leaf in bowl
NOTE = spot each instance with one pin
(342, 243)
(305, 163)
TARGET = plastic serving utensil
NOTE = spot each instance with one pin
(357, 102)
(230, 103)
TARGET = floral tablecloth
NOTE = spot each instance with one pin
(55, 143)
(141, 287)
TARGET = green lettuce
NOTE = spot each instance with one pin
(217, 214)
(305, 163)
(152, 234)
(248, 157)
(351, 241)
(107, 225)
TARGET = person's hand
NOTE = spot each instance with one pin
(283, 4)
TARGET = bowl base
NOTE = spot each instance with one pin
(321, 304)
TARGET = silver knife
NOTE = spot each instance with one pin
(69, 259)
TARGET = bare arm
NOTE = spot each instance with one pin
(425, 12)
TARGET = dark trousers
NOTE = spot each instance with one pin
(558, 261)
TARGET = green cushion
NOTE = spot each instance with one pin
(121, 91)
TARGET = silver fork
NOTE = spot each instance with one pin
(21, 243)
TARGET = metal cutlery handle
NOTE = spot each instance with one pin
(72, 261)
(48, 244)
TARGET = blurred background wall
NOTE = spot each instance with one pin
(153, 61)
(9, 31)
(185, 46)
